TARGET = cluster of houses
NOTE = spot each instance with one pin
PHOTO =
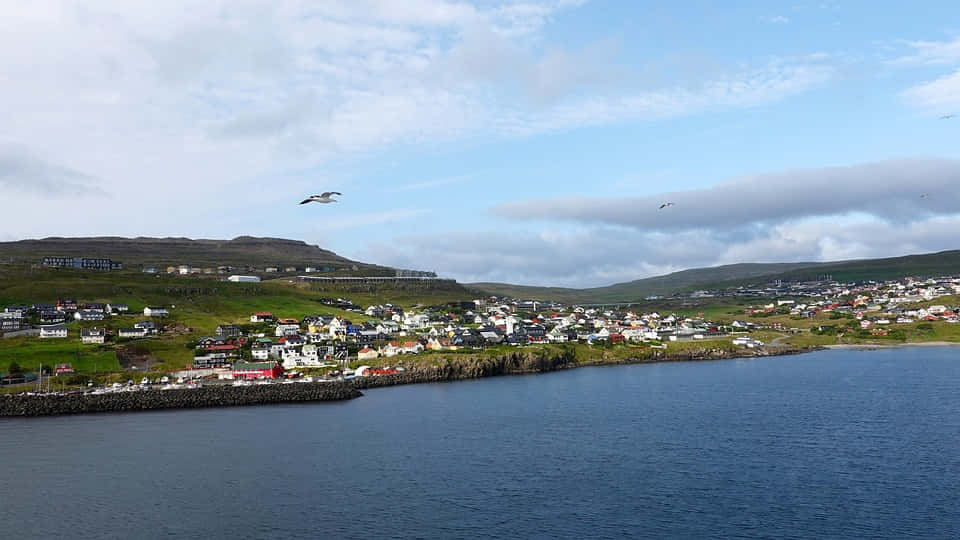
(49, 321)
(905, 290)
(319, 341)
(873, 303)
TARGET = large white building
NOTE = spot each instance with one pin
(53, 331)
(244, 279)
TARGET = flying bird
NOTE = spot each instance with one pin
(664, 205)
(924, 195)
(948, 116)
(322, 198)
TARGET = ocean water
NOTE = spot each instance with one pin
(834, 444)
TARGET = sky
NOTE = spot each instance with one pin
(520, 141)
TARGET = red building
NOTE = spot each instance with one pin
(257, 370)
(63, 369)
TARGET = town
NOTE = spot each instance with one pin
(385, 336)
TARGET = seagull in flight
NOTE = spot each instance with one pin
(948, 116)
(322, 198)
(924, 195)
(664, 205)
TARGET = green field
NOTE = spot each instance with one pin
(30, 352)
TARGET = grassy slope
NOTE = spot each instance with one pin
(636, 290)
(202, 304)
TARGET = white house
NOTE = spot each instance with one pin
(260, 353)
(92, 335)
(155, 312)
(89, 315)
(367, 353)
(132, 332)
(53, 331)
(287, 330)
(390, 349)
(412, 347)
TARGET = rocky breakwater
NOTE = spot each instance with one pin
(208, 396)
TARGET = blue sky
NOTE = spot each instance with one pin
(527, 141)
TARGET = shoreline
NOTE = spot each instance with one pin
(521, 362)
(869, 346)
(531, 364)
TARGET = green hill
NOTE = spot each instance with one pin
(933, 264)
(161, 252)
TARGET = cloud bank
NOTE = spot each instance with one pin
(879, 209)
(901, 190)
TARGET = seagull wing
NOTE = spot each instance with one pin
(305, 201)
(326, 194)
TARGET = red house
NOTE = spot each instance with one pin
(63, 369)
(257, 370)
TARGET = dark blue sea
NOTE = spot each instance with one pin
(834, 444)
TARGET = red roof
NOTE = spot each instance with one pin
(263, 314)
(366, 350)
(221, 347)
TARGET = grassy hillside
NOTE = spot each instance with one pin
(933, 264)
(161, 252)
(926, 265)
(201, 304)
(636, 290)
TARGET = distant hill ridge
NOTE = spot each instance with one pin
(240, 251)
(733, 275)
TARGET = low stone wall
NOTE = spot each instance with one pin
(208, 396)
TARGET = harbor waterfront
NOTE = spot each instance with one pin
(835, 443)
(133, 398)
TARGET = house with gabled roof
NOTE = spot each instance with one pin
(93, 335)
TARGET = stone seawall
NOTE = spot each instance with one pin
(208, 396)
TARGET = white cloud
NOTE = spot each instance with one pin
(932, 53)
(599, 256)
(944, 91)
(776, 19)
(28, 174)
(881, 209)
(228, 96)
